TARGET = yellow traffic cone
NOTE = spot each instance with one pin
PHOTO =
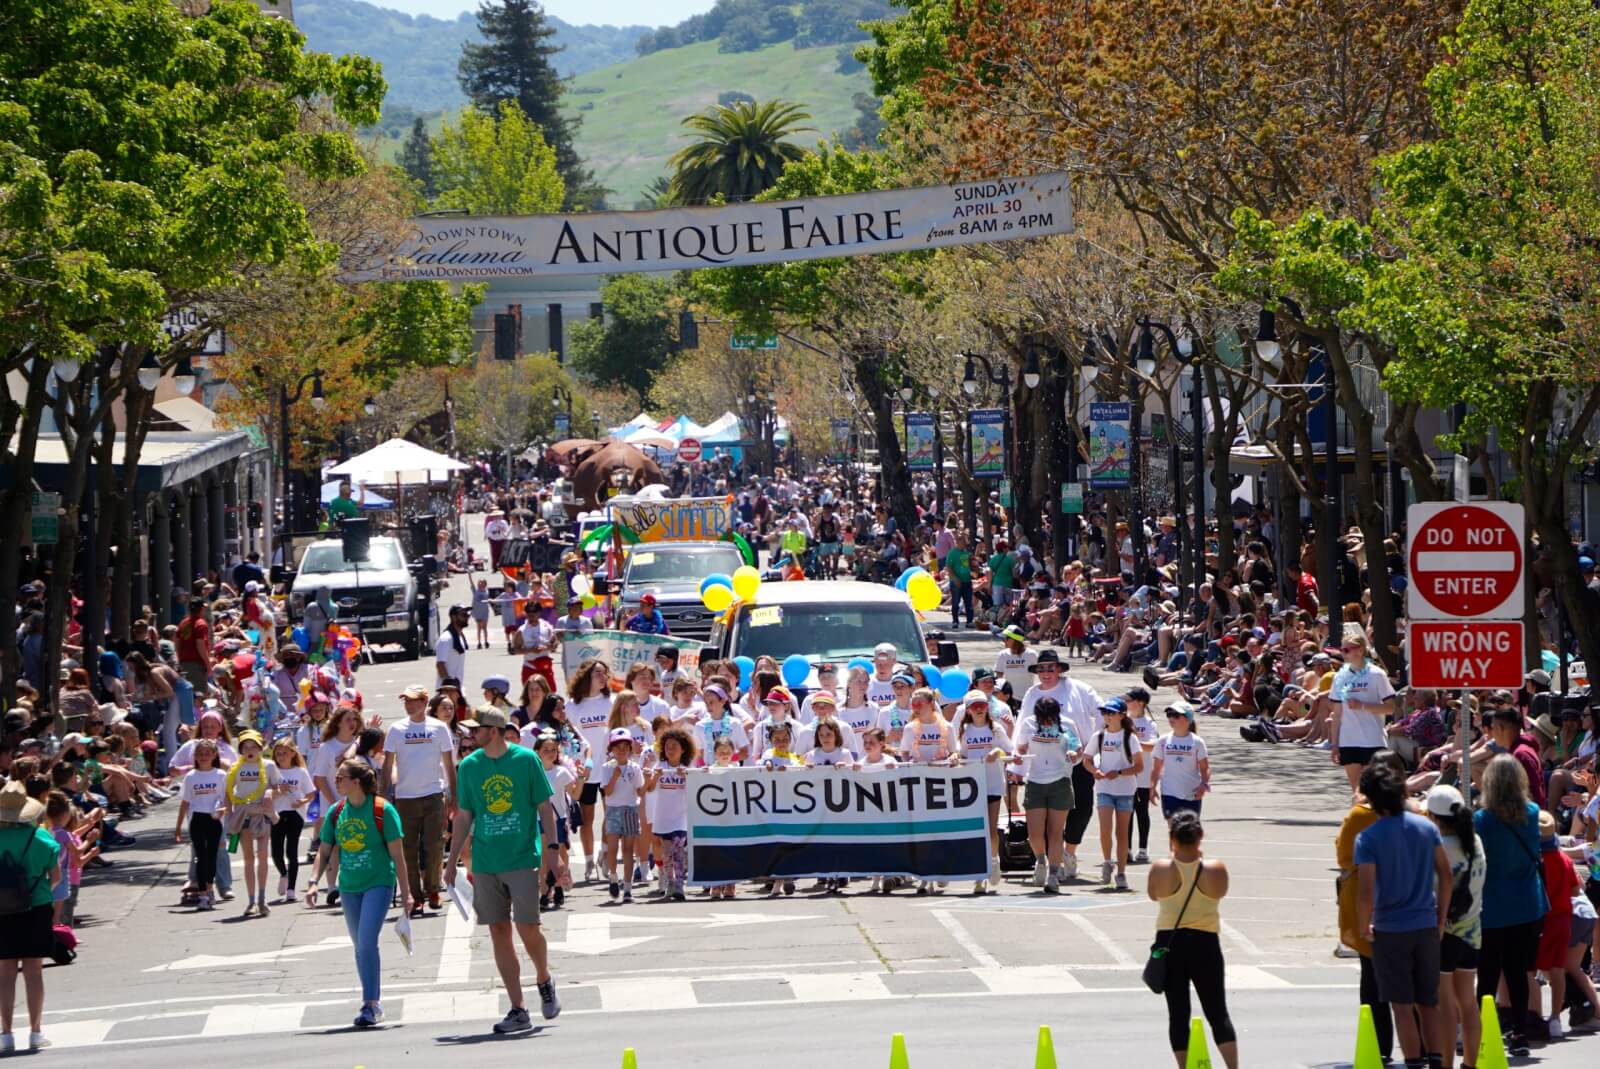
(897, 1052)
(1367, 1056)
(629, 1060)
(1045, 1056)
(1199, 1056)
(1492, 1047)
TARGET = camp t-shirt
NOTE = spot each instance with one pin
(630, 781)
(976, 741)
(817, 757)
(727, 726)
(892, 721)
(503, 794)
(1115, 751)
(1180, 757)
(1144, 729)
(298, 780)
(879, 691)
(671, 800)
(249, 778)
(1047, 748)
(1366, 684)
(1013, 668)
(364, 861)
(203, 790)
(420, 750)
(590, 717)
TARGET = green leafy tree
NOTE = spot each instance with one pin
(147, 160)
(739, 152)
(635, 339)
(515, 63)
(416, 157)
(496, 165)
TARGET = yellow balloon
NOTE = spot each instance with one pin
(746, 581)
(924, 591)
(717, 598)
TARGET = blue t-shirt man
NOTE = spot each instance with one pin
(1401, 847)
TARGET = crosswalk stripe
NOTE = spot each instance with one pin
(646, 993)
(431, 1007)
(244, 1019)
(837, 987)
(1100, 939)
(1029, 980)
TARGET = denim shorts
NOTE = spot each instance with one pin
(622, 820)
(1122, 803)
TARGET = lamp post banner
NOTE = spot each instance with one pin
(919, 441)
(607, 243)
(1110, 445)
(920, 821)
(988, 442)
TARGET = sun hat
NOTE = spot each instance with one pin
(824, 698)
(16, 807)
(1048, 658)
(491, 717)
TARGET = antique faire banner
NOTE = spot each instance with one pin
(620, 649)
(920, 821)
(678, 519)
(593, 243)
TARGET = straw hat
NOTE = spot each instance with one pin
(16, 807)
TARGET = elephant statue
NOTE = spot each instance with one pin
(593, 473)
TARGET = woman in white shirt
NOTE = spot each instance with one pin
(979, 739)
(1118, 757)
(1047, 747)
(856, 712)
(589, 710)
(1363, 699)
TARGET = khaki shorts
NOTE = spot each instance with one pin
(1057, 795)
(498, 897)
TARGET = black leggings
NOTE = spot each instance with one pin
(1509, 953)
(286, 844)
(1195, 957)
(1082, 810)
(1382, 1020)
(1141, 815)
(205, 836)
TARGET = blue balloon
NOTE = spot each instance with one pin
(954, 684)
(933, 676)
(861, 663)
(907, 575)
(716, 579)
(747, 665)
(300, 638)
(796, 669)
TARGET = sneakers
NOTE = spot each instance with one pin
(1122, 881)
(627, 893)
(1052, 886)
(1069, 867)
(518, 1020)
(283, 887)
(788, 887)
(980, 888)
(1516, 1045)
(549, 1004)
(615, 889)
(995, 875)
(36, 1041)
(1041, 870)
(369, 1017)
(204, 903)
(8, 1043)
(877, 885)
(588, 869)
(1151, 677)
(1556, 1031)
(1106, 869)
(289, 897)
(1142, 857)
(225, 895)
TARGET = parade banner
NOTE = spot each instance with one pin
(988, 428)
(673, 239)
(839, 438)
(619, 649)
(919, 441)
(920, 821)
(1110, 445)
(681, 519)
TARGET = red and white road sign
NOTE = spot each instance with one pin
(689, 450)
(1475, 655)
(1465, 561)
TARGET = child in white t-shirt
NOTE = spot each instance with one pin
(668, 783)
(201, 802)
(723, 756)
(621, 781)
(565, 784)
(1181, 774)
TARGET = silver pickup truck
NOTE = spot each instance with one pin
(673, 571)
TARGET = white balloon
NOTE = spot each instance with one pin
(580, 585)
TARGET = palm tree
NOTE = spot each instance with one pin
(740, 151)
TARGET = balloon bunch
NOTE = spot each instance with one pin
(341, 645)
(921, 587)
(719, 591)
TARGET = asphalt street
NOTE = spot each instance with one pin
(725, 984)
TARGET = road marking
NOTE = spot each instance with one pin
(1239, 939)
(838, 987)
(1100, 939)
(590, 933)
(247, 1020)
(1253, 978)
(1029, 980)
(646, 993)
(455, 1006)
(455, 952)
(260, 957)
(964, 939)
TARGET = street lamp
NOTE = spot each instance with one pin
(1267, 347)
(149, 373)
(184, 378)
(318, 401)
(369, 406)
(66, 368)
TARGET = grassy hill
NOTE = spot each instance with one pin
(632, 111)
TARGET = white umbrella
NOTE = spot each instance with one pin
(401, 462)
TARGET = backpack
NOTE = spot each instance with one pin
(64, 945)
(378, 807)
(16, 886)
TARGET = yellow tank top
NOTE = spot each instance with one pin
(1202, 912)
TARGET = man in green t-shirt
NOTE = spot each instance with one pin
(344, 507)
(503, 803)
(958, 565)
(1001, 564)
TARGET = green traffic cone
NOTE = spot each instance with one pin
(1492, 1047)
(897, 1052)
(1045, 1055)
(1367, 1056)
(1199, 1056)
(629, 1061)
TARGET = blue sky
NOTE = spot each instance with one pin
(578, 12)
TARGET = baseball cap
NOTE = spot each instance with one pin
(252, 587)
(575, 600)
(416, 690)
(619, 735)
(458, 607)
(500, 683)
(902, 677)
(449, 683)
(982, 673)
(1113, 705)
(491, 717)
(1136, 694)
(1586, 563)
(885, 649)
(1441, 799)
(1014, 633)
(778, 695)
(647, 599)
(824, 698)
(1181, 709)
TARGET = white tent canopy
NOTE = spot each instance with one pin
(644, 436)
(398, 462)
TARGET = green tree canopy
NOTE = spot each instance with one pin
(634, 341)
(416, 157)
(739, 152)
(496, 165)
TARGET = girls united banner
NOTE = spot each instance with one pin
(466, 248)
(920, 821)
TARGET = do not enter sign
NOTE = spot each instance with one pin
(689, 450)
(1465, 561)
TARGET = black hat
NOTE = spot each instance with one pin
(1048, 657)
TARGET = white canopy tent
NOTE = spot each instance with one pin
(398, 462)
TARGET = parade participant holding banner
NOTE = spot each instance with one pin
(589, 710)
(979, 739)
(720, 723)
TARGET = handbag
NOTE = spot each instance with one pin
(1155, 970)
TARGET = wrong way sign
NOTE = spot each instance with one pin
(1476, 655)
(1465, 561)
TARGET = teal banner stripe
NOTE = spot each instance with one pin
(823, 830)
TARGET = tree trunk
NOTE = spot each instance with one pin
(891, 458)
(1059, 468)
(21, 421)
(1024, 488)
(1224, 429)
(1406, 447)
